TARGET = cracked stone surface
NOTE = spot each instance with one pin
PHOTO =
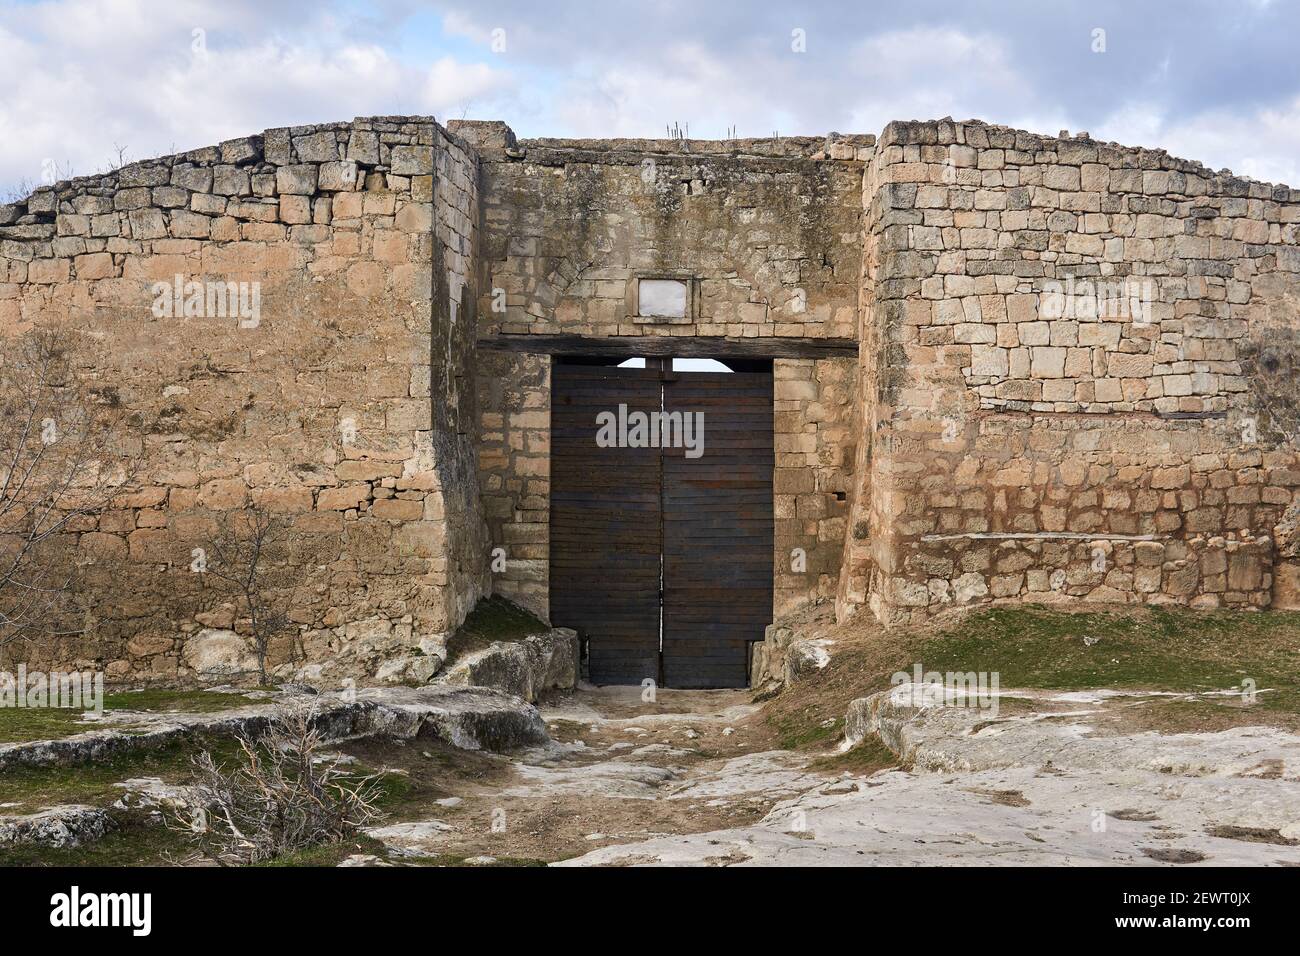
(472, 718)
(1028, 789)
(414, 838)
(69, 825)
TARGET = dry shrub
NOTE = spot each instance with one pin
(279, 798)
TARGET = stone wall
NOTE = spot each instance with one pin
(768, 232)
(815, 447)
(1070, 404)
(340, 402)
(1075, 381)
(868, 539)
(515, 461)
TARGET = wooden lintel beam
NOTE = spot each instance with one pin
(658, 346)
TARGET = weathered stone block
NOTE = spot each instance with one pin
(322, 147)
(339, 176)
(297, 180)
(411, 160)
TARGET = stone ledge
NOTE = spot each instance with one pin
(525, 669)
(70, 825)
(470, 718)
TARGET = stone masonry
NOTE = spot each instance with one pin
(1075, 376)
(769, 233)
(343, 406)
(1034, 443)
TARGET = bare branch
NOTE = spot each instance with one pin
(281, 796)
(60, 462)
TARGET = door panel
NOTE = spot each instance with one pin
(617, 513)
(605, 523)
(718, 528)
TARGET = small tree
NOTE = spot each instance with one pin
(253, 558)
(61, 461)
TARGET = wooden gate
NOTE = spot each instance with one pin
(717, 529)
(606, 538)
(662, 559)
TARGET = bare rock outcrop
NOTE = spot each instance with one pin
(471, 718)
(526, 668)
(61, 827)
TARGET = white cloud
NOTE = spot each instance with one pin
(1261, 144)
(83, 76)
(686, 83)
(132, 74)
(927, 73)
(454, 89)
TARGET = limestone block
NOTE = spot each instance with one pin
(339, 176)
(363, 147)
(230, 181)
(298, 180)
(412, 160)
(215, 654)
(322, 147)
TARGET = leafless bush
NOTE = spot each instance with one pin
(252, 556)
(280, 798)
(61, 460)
(17, 192)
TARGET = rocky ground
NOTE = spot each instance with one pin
(616, 770)
(822, 765)
(697, 781)
(1033, 787)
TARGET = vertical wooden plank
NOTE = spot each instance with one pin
(718, 529)
(605, 523)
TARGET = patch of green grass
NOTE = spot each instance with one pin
(131, 842)
(328, 854)
(1158, 649)
(493, 619)
(92, 783)
(866, 758)
(394, 792)
(178, 701)
(19, 724)
(803, 730)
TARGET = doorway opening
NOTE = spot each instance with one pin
(661, 516)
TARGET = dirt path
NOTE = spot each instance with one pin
(620, 770)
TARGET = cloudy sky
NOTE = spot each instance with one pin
(88, 81)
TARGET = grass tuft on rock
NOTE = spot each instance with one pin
(18, 724)
(493, 619)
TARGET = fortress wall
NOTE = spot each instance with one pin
(1138, 448)
(343, 405)
(768, 233)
